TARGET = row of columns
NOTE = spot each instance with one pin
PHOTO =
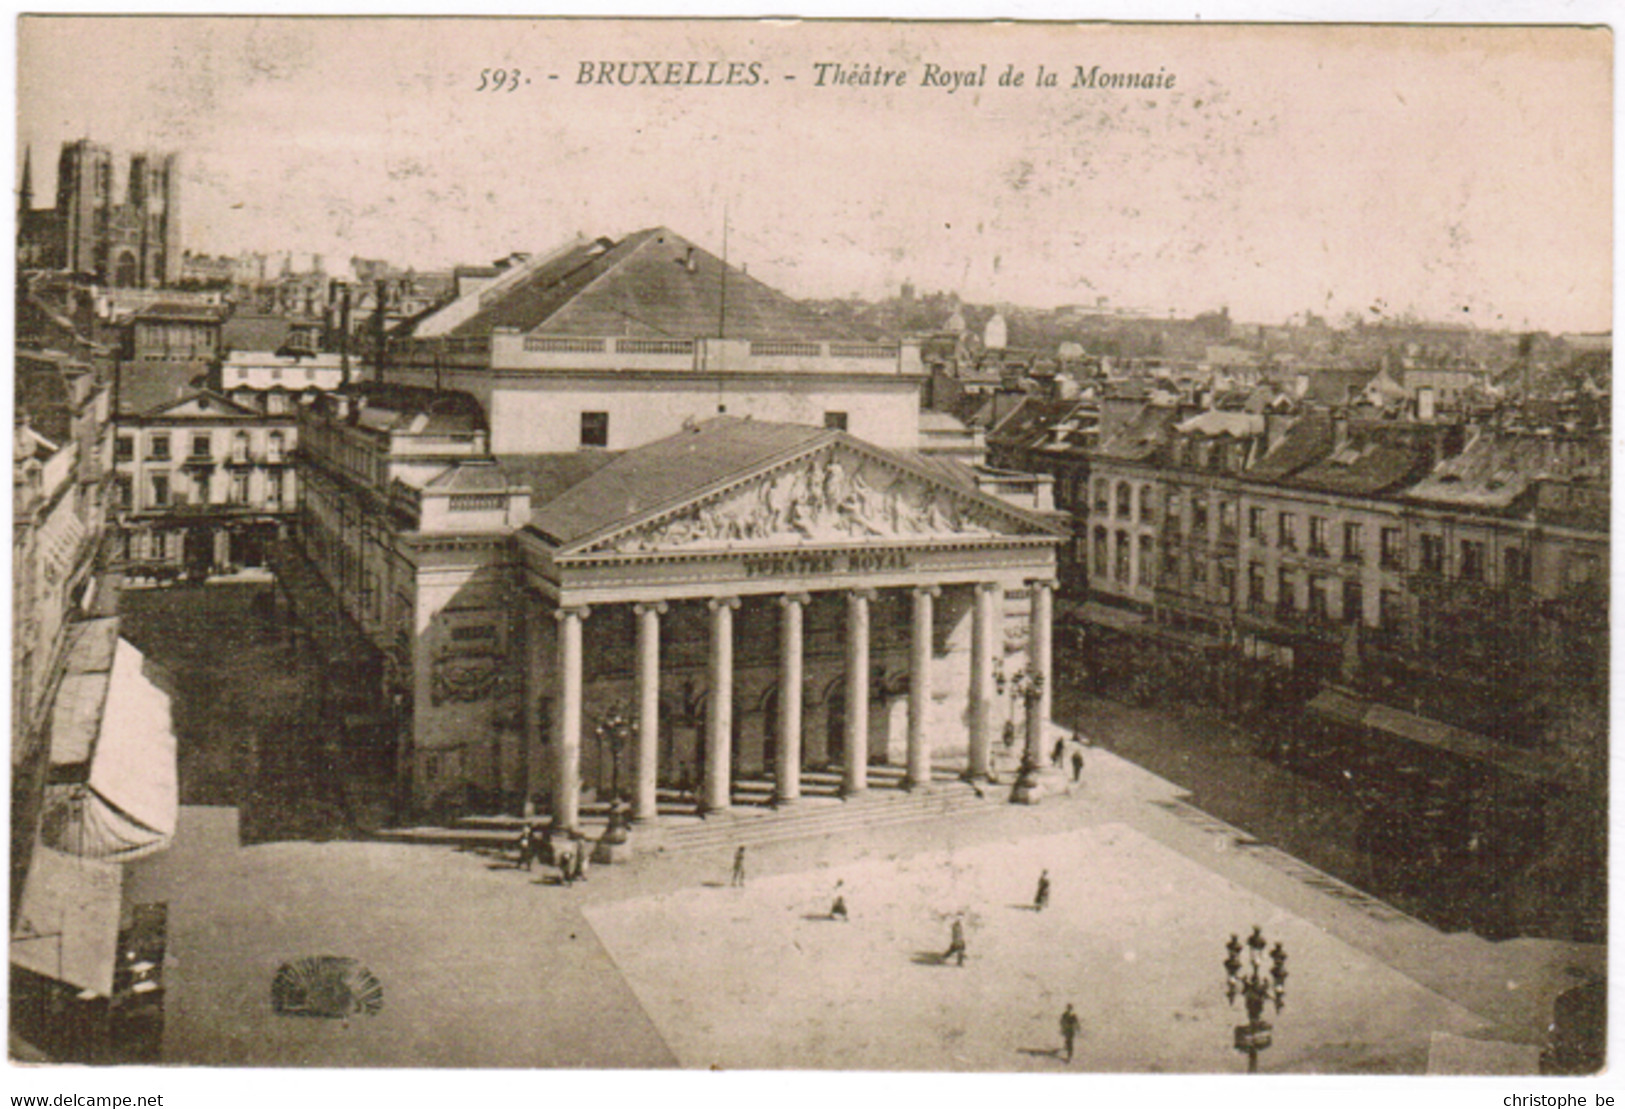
(716, 790)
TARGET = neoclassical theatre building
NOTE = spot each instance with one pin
(627, 521)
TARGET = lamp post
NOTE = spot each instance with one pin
(1029, 686)
(1256, 987)
(614, 732)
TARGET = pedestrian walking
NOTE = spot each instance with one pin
(956, 943)
(567, 874)
(1041, 898)
(1069, 1029)
(1058, 754)
(837, 911)
(1077, 766)
(527, 847)
(738, 878)
(581, 860)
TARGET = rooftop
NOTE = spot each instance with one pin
(640, 480)
(652, 284)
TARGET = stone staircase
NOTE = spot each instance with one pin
(753, 819)
(822, 812)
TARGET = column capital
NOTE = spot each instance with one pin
(715, 603)
(988, 586)
(927, 590)
(581, 612)
(860, 594)
(1043, 583)
(659, 608)
(788, 599)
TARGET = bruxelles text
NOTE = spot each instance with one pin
(867, 75)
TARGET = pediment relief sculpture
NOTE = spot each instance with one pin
(829, 499)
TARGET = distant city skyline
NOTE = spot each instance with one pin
(1454, 174)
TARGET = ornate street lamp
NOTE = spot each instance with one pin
(1256, 987)
(1028, 684)
(614, 732)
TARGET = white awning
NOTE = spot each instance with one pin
(128, 806)
(81, 699)
(67, 924)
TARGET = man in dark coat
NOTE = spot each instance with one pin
(1041, 898)
(1069, 1029)
(956, 943)
(527, 847)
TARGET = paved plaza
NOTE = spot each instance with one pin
(661, 963)
(761, 977)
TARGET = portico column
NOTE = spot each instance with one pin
(537, 689)
(790, 682)
(856, 771)
(1038, 666)
(919, 687)
(719, 719)
(648, 760)
(567, 726)
(983, 632)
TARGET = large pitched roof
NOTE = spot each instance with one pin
(1142, 436)
(1306, 442)
(714, 456)
(653, 284)
(549, 475)
(173, 310)
(144, 387)
(662, 471)
(255, 332)
(1031, 420)
(1497, 468)
(1373, 457)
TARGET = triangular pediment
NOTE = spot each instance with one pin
(203, 404)
(840, 494)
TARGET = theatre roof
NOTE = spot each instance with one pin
(718, 457)
(645, 478)
(652, 284)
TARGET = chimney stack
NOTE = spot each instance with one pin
(344, 335)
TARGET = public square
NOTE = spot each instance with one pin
(662, 963)
(762, 978)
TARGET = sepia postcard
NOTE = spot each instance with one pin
(778, 544)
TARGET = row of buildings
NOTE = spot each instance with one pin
(93, 759)
(1454, 566)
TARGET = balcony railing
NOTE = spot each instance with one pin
(543, 344)
(774, 349)
(860, 350)
(651, 346)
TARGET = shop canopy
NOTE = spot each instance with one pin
(66, 927)
(126, 803)
(1346, 708)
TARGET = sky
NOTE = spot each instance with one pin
(1451, 173)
